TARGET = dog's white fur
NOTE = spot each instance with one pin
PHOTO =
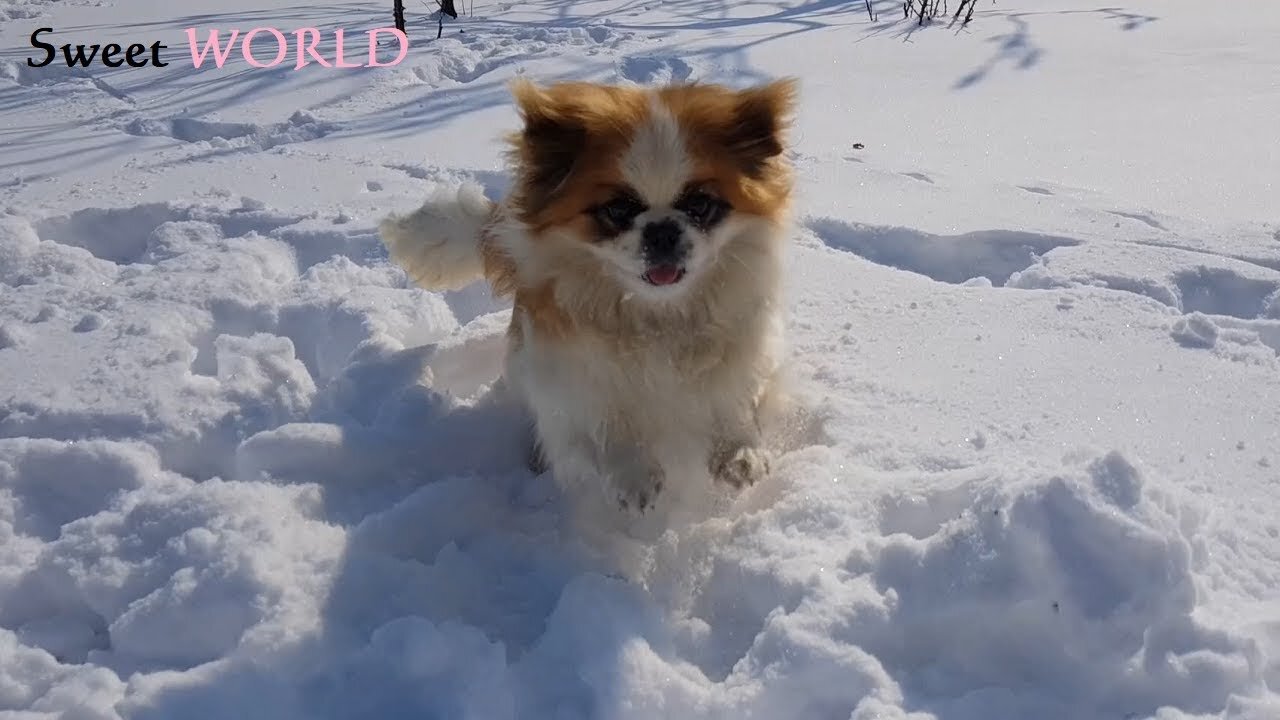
(636, 415)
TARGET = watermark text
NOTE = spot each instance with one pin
(260, 47)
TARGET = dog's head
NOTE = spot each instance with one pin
(652, 182)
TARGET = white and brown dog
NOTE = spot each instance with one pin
(642, 246)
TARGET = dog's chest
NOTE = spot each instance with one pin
(671, 386)
(662, 366)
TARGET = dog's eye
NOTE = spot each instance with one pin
(618, 213)
(703, 208)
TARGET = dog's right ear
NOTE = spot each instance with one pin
(551, 141)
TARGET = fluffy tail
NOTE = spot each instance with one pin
(438, 245)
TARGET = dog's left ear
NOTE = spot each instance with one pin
(761, 115)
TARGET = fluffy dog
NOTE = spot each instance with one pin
(641, 245)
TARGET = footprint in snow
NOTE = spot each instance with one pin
(654, 70)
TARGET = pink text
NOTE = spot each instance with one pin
(266, 47)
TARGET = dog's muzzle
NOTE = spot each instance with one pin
(664, 249)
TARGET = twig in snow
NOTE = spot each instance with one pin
(971, 4)
(927, 10)
(446, 8)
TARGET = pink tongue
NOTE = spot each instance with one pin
(663, 274)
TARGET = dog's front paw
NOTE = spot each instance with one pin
(637, 487)
(742, 467)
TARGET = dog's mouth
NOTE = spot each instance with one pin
(664, 275)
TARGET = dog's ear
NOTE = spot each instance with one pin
(551, 140)
(760, 117)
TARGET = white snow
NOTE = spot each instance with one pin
(248, 471)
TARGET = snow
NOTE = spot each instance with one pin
(248, 470)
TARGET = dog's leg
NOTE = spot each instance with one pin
(633, 476)
(738, 456)
(625, 472)
(739, 464)
(564, 447)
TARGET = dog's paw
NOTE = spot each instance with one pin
(742, 467)
(637, 488)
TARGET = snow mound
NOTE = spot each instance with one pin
(300, 127)
(1081, 583)
(995, 255)
(1062, 595)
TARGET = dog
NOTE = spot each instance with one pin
(641, 245)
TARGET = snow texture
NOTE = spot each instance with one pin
(247, 470)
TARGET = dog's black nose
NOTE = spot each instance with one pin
(661, 239)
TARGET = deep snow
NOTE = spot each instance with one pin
(247, 471)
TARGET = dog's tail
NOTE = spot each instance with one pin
(438, 245)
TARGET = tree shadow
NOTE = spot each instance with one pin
(176, 92)
(1127, 20)
(167, 92)
(1018, 49)
(1015, 48)
(715, 19)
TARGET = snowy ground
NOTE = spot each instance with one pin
(247, 472)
